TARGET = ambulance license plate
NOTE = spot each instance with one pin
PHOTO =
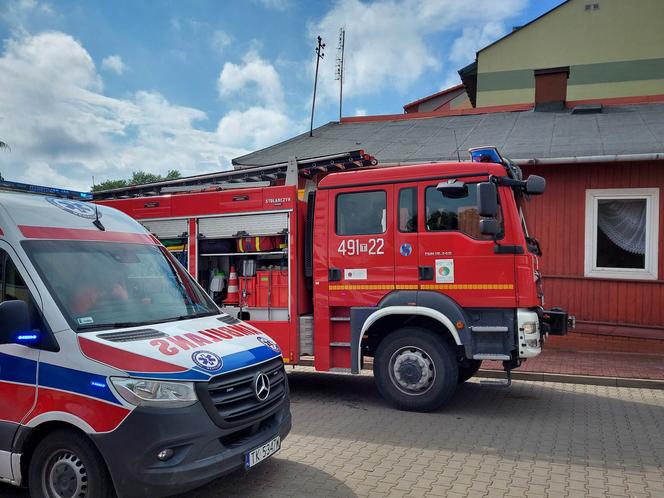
(264, 451)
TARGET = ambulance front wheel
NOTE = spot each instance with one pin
(66, 465)
(415, 369)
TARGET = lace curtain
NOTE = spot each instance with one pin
(624, 223)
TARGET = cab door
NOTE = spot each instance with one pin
(455, 258)
(406, 273)
(18, 363)
(361, 245)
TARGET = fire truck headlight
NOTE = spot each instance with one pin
(152, 393)
(529, 328)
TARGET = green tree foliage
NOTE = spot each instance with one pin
(137, 178)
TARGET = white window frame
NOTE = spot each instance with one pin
(651, 196)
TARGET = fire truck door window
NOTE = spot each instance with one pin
(361, 213)
(407, 212)
(454, 214)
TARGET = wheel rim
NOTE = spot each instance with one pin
(412, 371)
(65, 476)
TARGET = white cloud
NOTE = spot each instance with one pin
(114, 64)
(257, 85)
(472, 39)
(256, 127)
(63, 130)
(360, 111)
(388, 41)
(221, 40)
(254, 79)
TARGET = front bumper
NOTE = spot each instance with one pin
(202, 450)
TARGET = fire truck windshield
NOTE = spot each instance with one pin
(113, 285)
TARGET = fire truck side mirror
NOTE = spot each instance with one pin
(535, 185)
(489, 226)
(487, 199)
(452, 189)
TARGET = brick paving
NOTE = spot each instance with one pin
(533, 439)
(597, 363)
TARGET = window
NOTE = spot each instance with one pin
(408, 210)
(361, 213)
(12, 287)
(622, 230)
(460, 214)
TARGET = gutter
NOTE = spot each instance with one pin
(610, 158)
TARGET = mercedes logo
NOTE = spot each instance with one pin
(261, 386)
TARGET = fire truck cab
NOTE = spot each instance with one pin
(428, 269)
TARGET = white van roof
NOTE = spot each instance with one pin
(45, 217)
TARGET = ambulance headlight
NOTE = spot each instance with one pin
(153, 393)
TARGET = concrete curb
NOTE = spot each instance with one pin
(590, 380)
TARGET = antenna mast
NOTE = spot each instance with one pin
(319, 56)
(339, 75)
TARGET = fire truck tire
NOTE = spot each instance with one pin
(415, 369)
(65, 463)
(469, 370)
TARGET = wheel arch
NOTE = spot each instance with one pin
(396, 317)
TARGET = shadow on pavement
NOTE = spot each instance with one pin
(558, 423)
(275, 477)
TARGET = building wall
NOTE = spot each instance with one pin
(614, 51)
(557, 220)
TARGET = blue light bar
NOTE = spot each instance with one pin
(40, 189)
(485, 155)
(95, 383)
(28, 337)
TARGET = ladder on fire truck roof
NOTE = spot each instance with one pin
(252, 176)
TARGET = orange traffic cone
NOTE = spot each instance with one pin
(233, 296)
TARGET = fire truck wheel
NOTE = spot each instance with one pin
(468, 370)
(415, 369)
(66, 465)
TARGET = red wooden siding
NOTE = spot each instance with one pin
(557, 219)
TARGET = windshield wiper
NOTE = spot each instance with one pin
(189, 317)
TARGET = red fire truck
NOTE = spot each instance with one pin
(429, 268)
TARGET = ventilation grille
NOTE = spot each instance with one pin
(228, 319)
(132, 335)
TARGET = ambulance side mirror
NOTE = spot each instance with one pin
(487, 199)
(15, 323)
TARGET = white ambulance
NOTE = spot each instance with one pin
(118, 374)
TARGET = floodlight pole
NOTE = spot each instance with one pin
(319, 56)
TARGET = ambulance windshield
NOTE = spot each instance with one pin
(101, 285)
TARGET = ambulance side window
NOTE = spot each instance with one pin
(12, 287)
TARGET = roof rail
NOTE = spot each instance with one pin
(306, 168)
(42, 190)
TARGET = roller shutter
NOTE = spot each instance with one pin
(167, 229)
(254, 224)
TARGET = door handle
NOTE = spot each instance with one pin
(334, 274)
(426, 272)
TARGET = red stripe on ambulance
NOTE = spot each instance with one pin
(124, 360)
(58, 233)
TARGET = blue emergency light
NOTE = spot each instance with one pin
(31, 337)
(40, 189)
(96, 383)
(485, 155)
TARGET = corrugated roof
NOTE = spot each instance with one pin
(620, 129)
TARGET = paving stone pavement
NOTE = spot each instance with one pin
(533, 439)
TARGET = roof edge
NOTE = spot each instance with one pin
(613, 101)
(434, 95)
